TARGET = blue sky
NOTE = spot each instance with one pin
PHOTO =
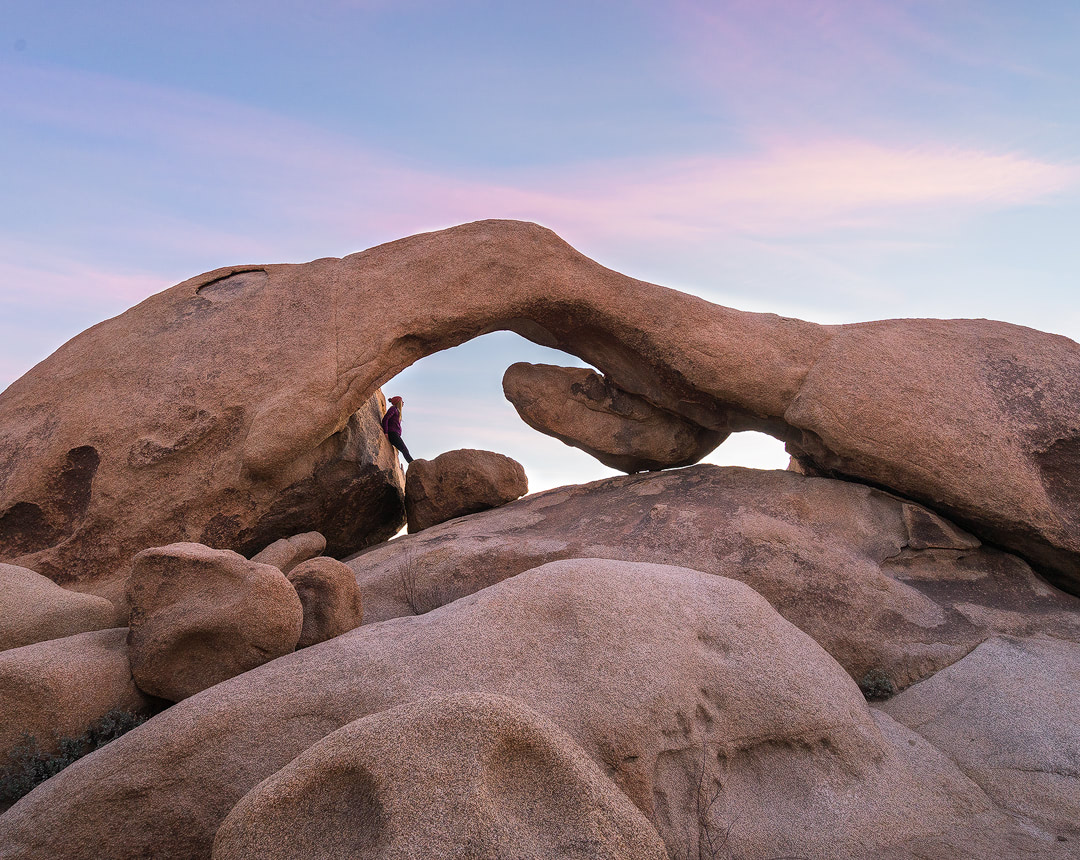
(837, 160)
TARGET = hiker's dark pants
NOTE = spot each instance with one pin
(396, 441)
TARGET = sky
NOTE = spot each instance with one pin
(834, 160)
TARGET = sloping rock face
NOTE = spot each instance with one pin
(35, 609)
(882, 584)
(460, 482)
(331, 599)
(668, 679)
(478, 776)
(224, 437)
(621, 430)
(56, 689)
(201, 615)
(1007, 715)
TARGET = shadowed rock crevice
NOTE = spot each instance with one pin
(28, 527)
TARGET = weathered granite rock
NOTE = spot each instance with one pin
(471, 775)
(882, 584)
(202, 615)
(621, 430)
(1007, 715)
(668, 679)
(287, 553)
(460, 482)
(34, 609)
(56, 689)
(261, 367)
(330, 597)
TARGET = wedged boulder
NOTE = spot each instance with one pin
(1007, 715)
(202, 615)
(884, 585)
(471, 775)
(35, 609)
(56, 689)
(287, 553)
(331, 599)
(668, 679)
(460, 482)
(237, 387)
(586, 410)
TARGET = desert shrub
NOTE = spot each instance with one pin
(876, 685)
(28, 765)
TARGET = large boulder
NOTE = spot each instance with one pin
(331, 599)
(886, 586)
(621, 430)
(215, 409)
(460, 482)
(470, 775)
(1007, 715)
(56, 689)
(201, 615)
(34, 609)
(287, 553)
(672, 681)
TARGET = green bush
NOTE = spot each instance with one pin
(876, 685)
(29, 765)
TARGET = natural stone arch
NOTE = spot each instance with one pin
(979, 419)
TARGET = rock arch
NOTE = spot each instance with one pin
(249, 378)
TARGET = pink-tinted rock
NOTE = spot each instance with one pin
(470, 775)
(223, 438)
(56, 689)
(882, 584)
(621, 430)
(201, 615)
(331, 599)
(670, 680)
(460, 482)
(287, 553)
(35, 609)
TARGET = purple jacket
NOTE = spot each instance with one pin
(391, 421)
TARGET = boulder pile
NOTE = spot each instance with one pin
(874, 654)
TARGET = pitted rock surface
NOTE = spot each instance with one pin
(469, 775)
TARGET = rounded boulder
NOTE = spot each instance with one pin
(471, 775)
(200, 616)
(331, 599)
(460, 482)
(33, 608)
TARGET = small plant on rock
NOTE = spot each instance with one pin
(28, 765)
(876, 686)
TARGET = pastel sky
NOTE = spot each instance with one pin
(836, 160)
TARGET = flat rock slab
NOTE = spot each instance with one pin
(885, 585)
(1007, 715)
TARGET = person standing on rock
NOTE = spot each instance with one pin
(391, 425)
